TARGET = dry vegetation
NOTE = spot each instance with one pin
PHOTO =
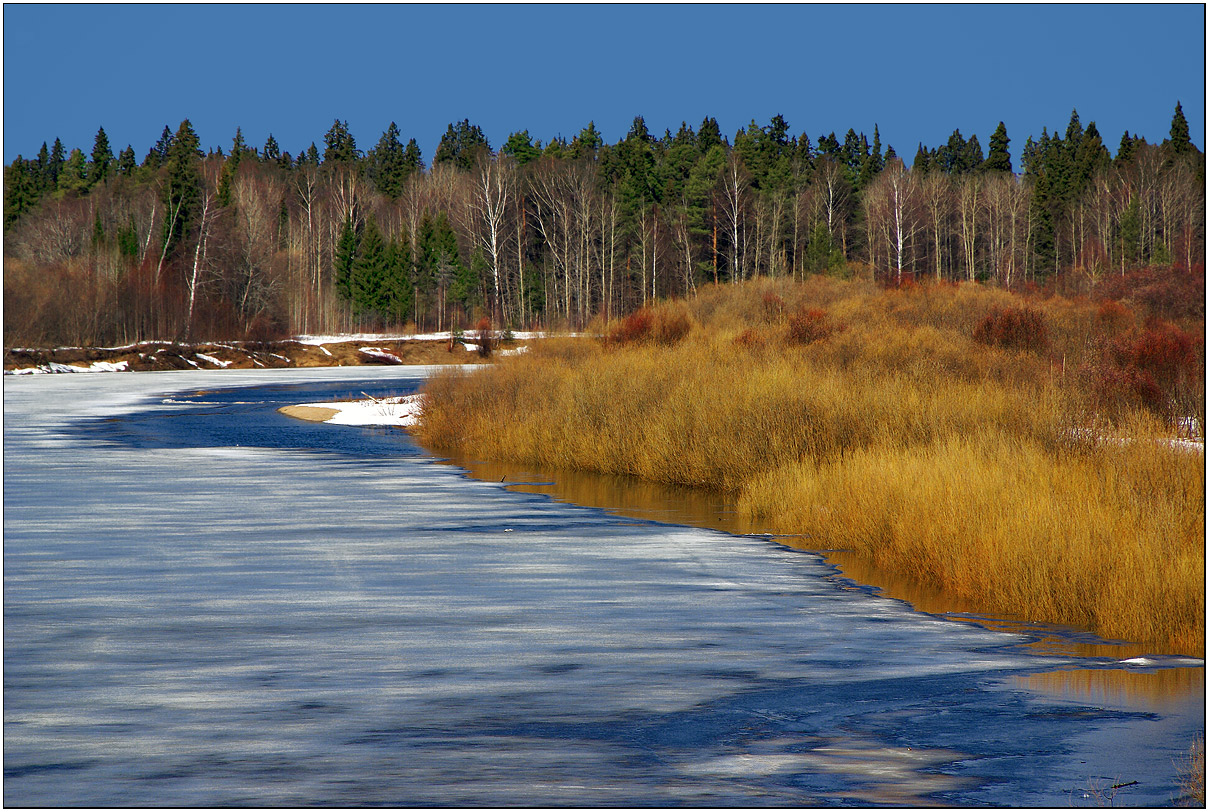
(965, 436)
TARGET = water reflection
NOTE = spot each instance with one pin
(649, 501)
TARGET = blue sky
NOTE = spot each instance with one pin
(916, 71)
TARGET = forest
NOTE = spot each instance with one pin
(256, 243)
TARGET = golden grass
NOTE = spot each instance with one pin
(887, 430)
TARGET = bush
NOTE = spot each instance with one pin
(484, 338)
(1013, 328)
(809, 325)
(665, 325)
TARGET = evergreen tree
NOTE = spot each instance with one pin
(58, 157)
(923, 160)
(182, 191)
(586, 144)
(1125, 149)
(1181, 142)
(342, 262)
(461, 145)
(412, 158)
(519, 146)
(397, 282)
(43, 168)
(21, 189)
(127, 163)
(73, 179)
(708, 135)
(271, 151)
(388, 164)
(367, 277)
(998, 159)
(102, 159)
(339, 144)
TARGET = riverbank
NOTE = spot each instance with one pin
(302, 351)
(895, 424)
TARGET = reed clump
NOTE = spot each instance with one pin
(883, 422)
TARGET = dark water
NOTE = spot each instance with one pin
(208, 603)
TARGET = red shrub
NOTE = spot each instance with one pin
(774, 306)
(665, 326)
(808, 326)
(633, 328)
(1014, 328)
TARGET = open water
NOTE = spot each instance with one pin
(207, 603)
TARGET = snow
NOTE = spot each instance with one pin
(96, 366)
(211, 359)
(398, 411)
(379, 352)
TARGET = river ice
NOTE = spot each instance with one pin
(207, 603)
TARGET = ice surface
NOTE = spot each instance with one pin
(200, 622)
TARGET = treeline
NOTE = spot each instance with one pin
(188, 244)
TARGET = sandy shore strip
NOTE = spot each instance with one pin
(398, 411)
(315, 414)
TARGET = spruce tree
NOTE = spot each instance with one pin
(998, 158)
(367, 279)
(1181, 142)
(388, 167)
(21, 189)
(102, 159)
(73, 179)
(126, 161)
(271, 151)
(397, 283)
(340, 144)
(182, 191)
(44, 170)
(342, 263)
(412, 158)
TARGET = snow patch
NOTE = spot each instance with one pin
(378, 352)
(211, 359)
(398, 411)
(53, 368)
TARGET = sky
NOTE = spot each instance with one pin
(917, 72)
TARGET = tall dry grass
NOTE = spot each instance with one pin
(893, 423)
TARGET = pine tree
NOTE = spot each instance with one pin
(586, 144)
(519, 146)
(102, 159)
(998, 158)
(1125, 148)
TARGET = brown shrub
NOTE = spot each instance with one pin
(1017, 328)
(484, 338)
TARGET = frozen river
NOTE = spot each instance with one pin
(208, 603)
